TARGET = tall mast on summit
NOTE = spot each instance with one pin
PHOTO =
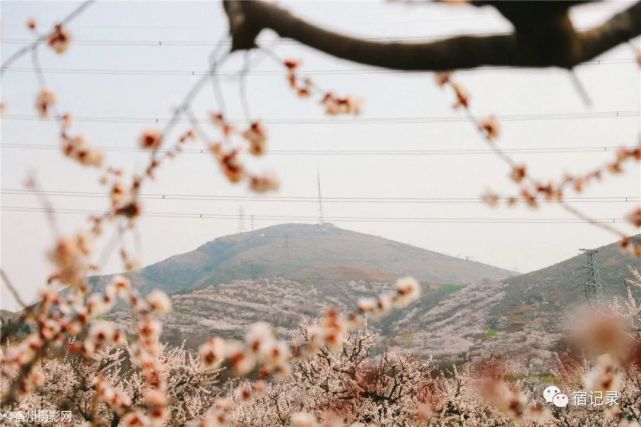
(321, 218)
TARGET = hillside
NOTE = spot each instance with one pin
(559, 286)
(523, 317)
(519, 317)
(318, 254)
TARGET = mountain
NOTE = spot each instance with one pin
(561, 284)
(288, 273)
(523, 316)
(317, 254)
(291, 273)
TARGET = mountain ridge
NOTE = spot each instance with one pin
(304, 252)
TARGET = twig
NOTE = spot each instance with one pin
(512, 163)
(12, 289)
(242, 86)
(23, 51)
(580, 88)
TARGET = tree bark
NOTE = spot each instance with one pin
(543, 37)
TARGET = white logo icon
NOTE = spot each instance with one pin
(560, 400)
(552, 394)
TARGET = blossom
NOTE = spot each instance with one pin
(259, 337)
(615, 168)
(155, 398)
(491, 127)
(122, 285)
(244, 392)
(510, 402)
(78, 149)
(45, 100)
(634, 217)
(490, 199)
(118, 194)
(303, 419)
(260, 387)
(135, 419)
(604, 376)
(601, 331)
(291, 64)
(335, 105)
(241, 360)
(97, 305)
(149, 328)
(264, 183)
(159, 302)
(69, 257)
(212, 352)
(462, 96)
(150, 139)
(232, 166)
(366, 305)
(67, 120)
(257, 138)
(276, 354)
(187, 136)
(443, 78)
(131, 210)
(223, 404)
(528, 198)
(408, 290)
(518, 173)
(32, 24)
(102, 333)
(59, 39)
(219, 120)
(383, 306)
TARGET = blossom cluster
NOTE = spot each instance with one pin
(263, 353)
(229, 158)
(531, 189)
(304, 87)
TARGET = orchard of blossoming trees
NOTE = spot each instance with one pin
(329, 374)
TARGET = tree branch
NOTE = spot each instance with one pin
(546, 39)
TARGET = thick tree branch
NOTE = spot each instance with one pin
(543, 37)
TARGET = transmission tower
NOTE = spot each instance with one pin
(594, 284)
(321, 219)
(241, 220)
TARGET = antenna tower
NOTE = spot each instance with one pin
(321, 219)
(241, 220)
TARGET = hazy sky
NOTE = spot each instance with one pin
(165, 41)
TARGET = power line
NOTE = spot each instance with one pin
(234, 217)
(614, 114)
(195, 72)
(368, 152)
(306, 199)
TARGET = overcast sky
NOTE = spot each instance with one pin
(165, 41)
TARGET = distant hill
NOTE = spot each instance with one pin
(556, 287)
(285, 274)
(308, 254)
(522, 317)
